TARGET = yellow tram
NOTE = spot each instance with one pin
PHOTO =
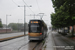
(37, 30)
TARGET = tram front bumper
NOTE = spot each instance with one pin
(36, 38)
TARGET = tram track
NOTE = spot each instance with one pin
(37, 45)
(22, 46)
(19, 40)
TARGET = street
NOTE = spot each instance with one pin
(23, 43)
(37, 25)
(54, 41)
(11, 34)
(62, 42)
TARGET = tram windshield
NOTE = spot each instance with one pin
(35, 28)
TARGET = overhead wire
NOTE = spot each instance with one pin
(15, 4)
(28, 7)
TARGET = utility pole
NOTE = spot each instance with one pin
(6, 22)
(24, 15)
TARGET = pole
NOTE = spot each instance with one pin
(24, 19)
(41, 17)
(34, 16)
(24, 16)
(18, 25)
(6, 23)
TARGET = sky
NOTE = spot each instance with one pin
(10, 7)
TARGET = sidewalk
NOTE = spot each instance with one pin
(49, 44)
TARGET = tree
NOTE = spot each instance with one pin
(67, 10)
(14, 26)
(1, 24)
(18, 26)
(64, 13)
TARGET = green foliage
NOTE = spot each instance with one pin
(14, 26)
(64, 13)
(1, 24)
(18, 26)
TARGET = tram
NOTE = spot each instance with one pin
(37, 30)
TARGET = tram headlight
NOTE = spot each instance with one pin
(40, 33)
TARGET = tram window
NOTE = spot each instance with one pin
(35, 28)
(33, 25)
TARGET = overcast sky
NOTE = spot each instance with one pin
(10, 7)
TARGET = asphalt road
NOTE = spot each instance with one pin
(62, 42)
(11, 34)
(23, 43)
(13, 44)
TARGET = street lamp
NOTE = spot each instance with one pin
(24, 15)
(6, 22)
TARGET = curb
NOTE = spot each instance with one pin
(9, 38)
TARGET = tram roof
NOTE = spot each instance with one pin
(39, 20)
